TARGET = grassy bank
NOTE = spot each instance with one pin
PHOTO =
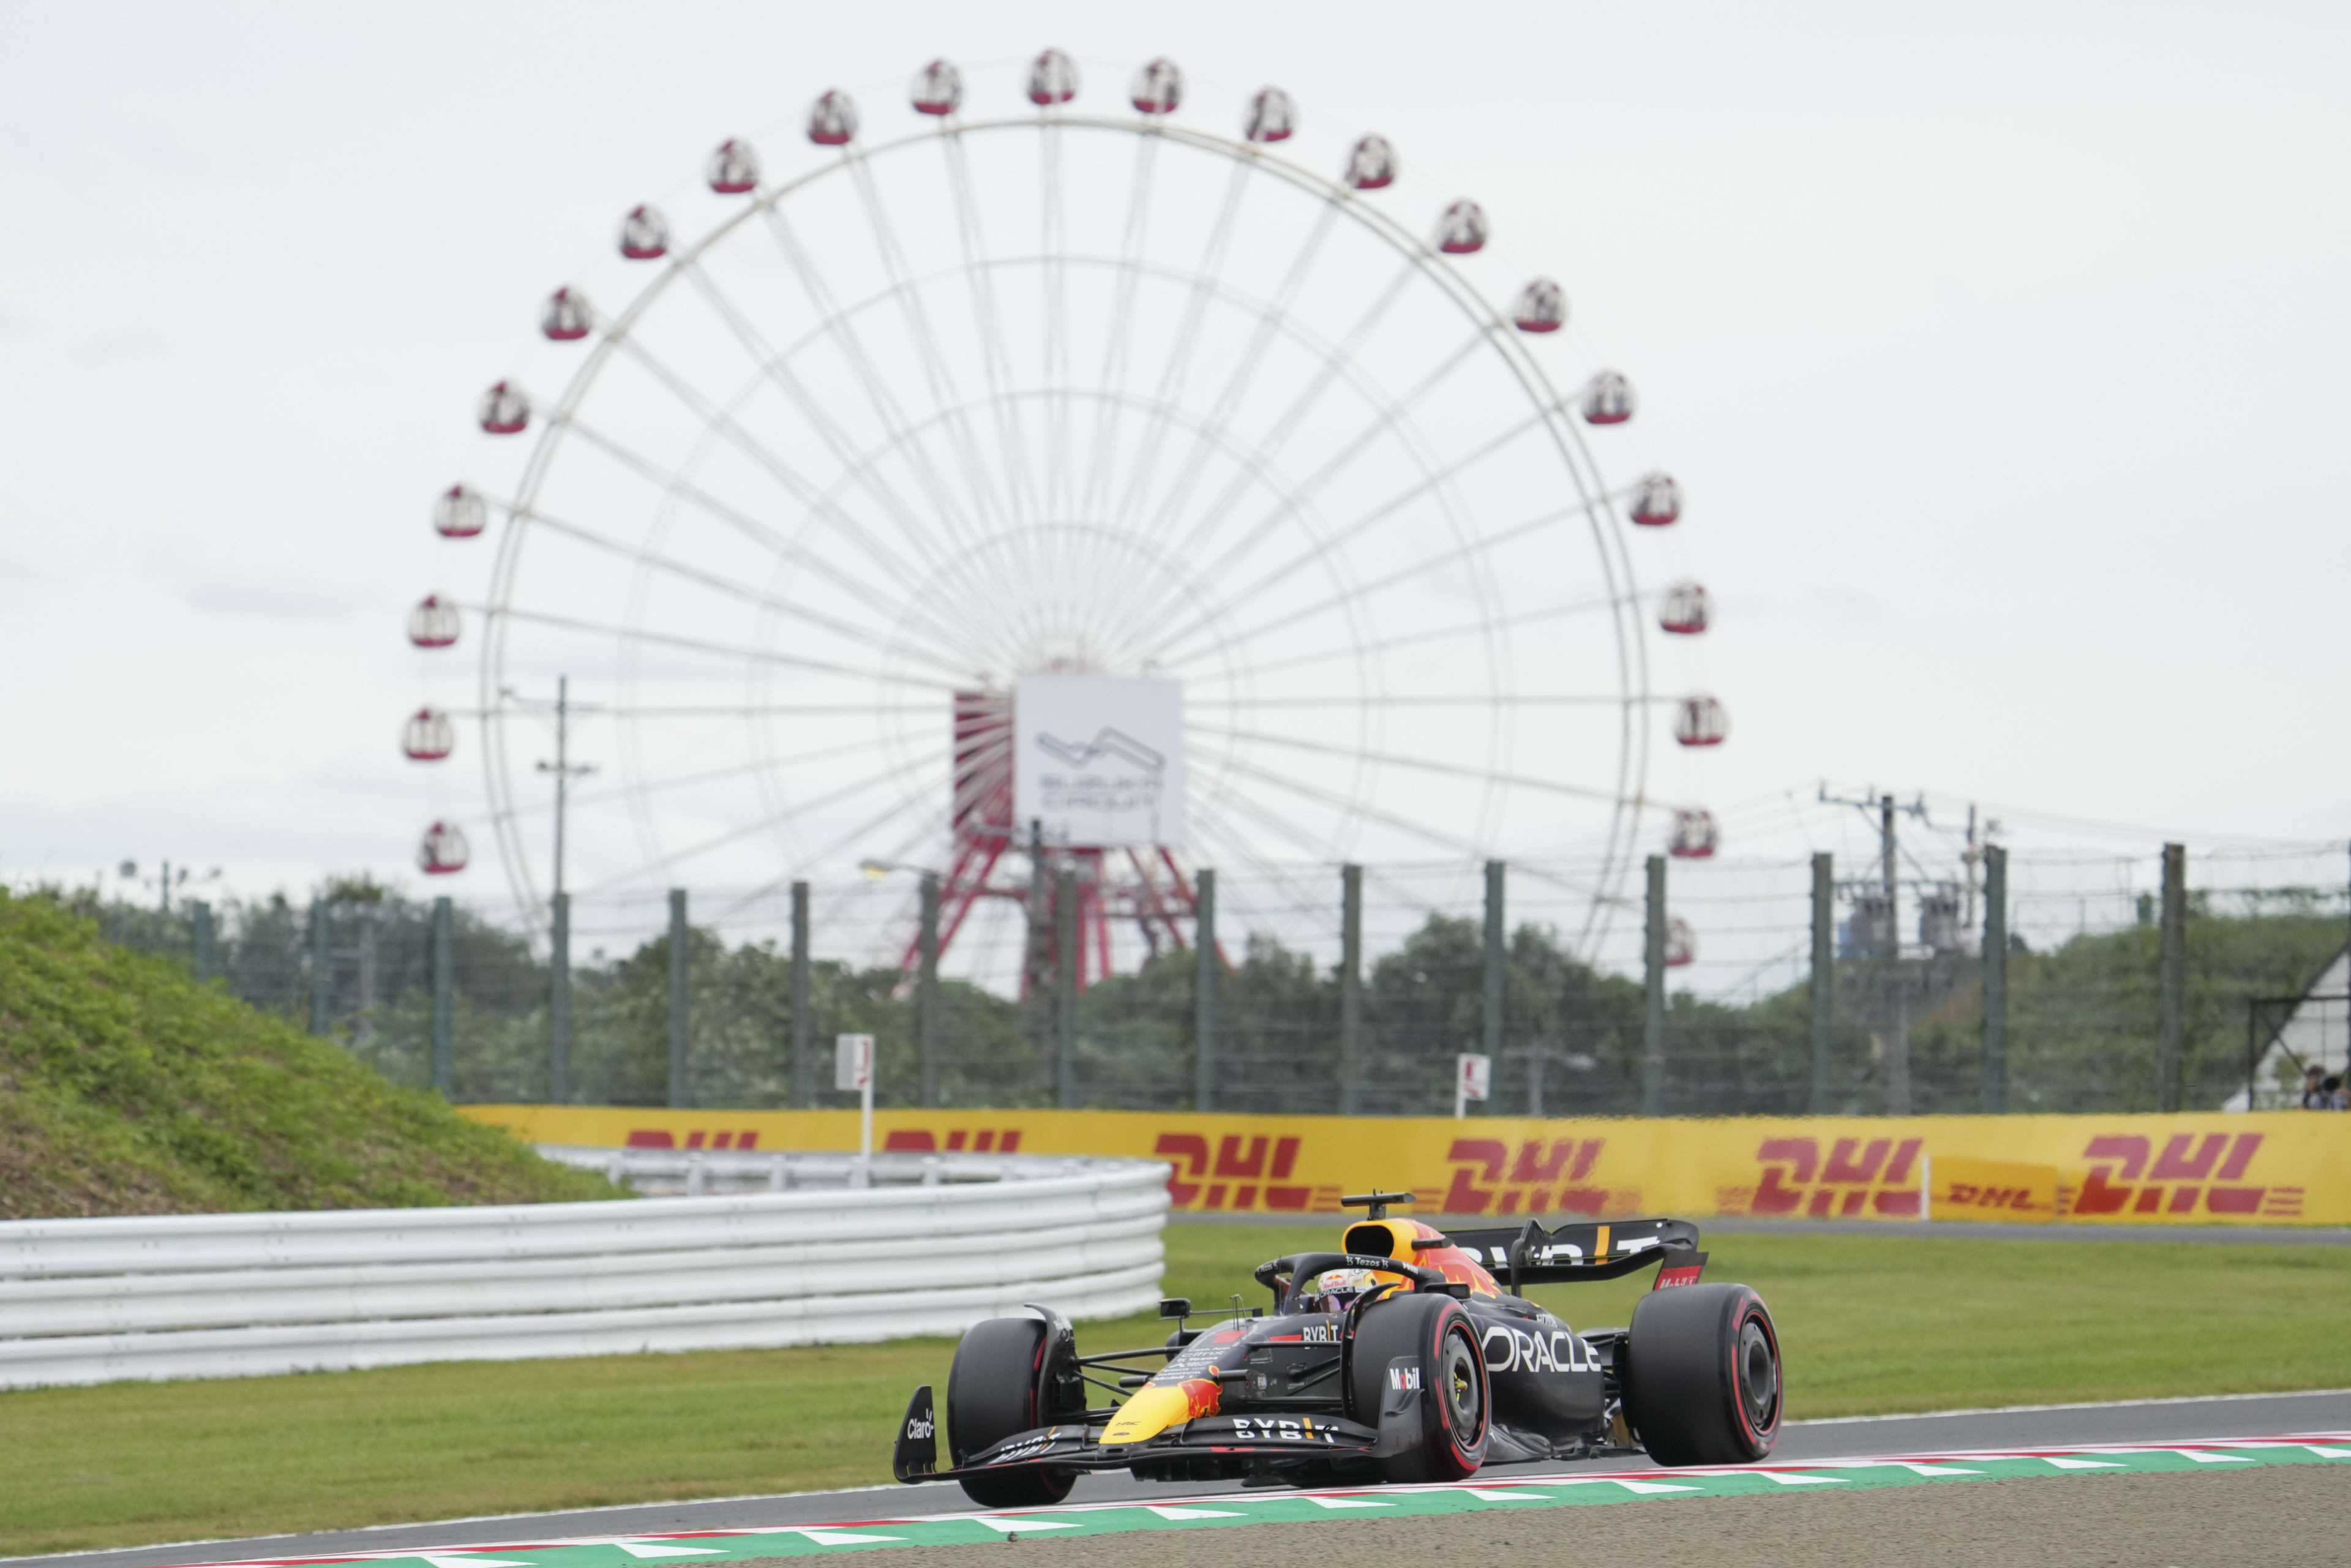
(127, 1088)
(1869, 1325)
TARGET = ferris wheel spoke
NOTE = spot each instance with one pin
(1207, 273)
(1055, 338)
(1176, 375)
(889, 813)
(1392, 759)
(1288, 879)
(718, 583)
(662, 862)
(1118, 333)
(1211, 433)
(1403, 824)
(994, 354)
(1414, 638)
(937, 370)
(679, 486)
(776, 368)
(878, 395)
(585, 797)
(1395, 504)
(1277, 433)
(1459, 701)
(720, 650)
(1418, 570)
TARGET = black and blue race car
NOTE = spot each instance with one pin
(1409, 1354)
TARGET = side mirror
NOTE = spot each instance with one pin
(1176, 1307)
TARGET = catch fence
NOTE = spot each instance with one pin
(1772, 987)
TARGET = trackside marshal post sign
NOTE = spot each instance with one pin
(1098, 760)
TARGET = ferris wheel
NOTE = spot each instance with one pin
(869, 456)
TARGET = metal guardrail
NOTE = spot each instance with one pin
(232, 1295)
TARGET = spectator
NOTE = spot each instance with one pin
(2338, 1097)
(2314, 1090)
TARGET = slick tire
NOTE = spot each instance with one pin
(1701, 1376)
(1457, 1399)
(992, 1395)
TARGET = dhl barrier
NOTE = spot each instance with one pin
(2271, 1167)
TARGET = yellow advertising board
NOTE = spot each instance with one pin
(2268, 1168)
(1992, 1190)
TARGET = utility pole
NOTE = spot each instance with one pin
(1652, 969)
(558, 998)
(1204, 990)
(1351, 989)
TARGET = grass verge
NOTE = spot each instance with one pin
(1869, 1326)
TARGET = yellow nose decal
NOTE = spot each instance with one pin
(1154, 1408)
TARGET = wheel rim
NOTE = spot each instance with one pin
(1464, 1393)
(1758, 1376)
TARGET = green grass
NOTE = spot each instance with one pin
(1869, 1325)
(127, 1088)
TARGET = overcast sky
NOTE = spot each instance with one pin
(2004, 351)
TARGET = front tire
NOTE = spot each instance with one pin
(992, 1390)
(1457, 1398)
(1702, 1382)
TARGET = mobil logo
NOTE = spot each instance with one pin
(1239, 1172)
(2193, 1172)
(1872, 1176)
(1542, 1176)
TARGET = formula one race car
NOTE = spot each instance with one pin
(1409, 1355)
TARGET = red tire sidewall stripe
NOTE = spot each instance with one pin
(1752, 1308)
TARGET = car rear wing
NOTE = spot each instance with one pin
(1604, 1249)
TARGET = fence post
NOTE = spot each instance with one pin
(444, 988)
(1653, 973)
(803, 1060)
(201, 914)
(1204, 990)
(1995, 980)
(1065, 987)
(678, 1090)
(1490, 1037)
(1823, 975)
(1351, 990)
(2172, 978)
(559, 1003)
(926, 991)
(322, 970)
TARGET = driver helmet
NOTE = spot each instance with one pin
(1336, 1289)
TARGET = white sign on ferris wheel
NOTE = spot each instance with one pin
(1098, 760)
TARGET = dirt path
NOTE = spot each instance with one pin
(2281, 1516)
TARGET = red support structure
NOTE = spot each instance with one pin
(1158, 898)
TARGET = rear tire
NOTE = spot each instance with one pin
(1702, 1376)
(991, 1395)
(1457, 1398)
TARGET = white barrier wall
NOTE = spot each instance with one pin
(241, 1295)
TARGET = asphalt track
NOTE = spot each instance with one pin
(1954, 1432)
